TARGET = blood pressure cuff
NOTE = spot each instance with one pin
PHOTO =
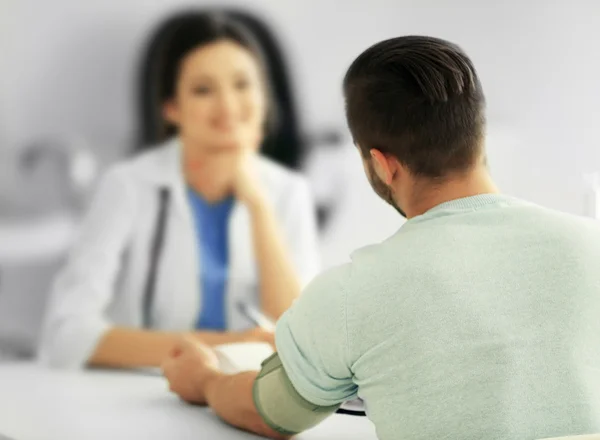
(280, 405)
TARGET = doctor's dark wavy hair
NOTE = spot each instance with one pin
(419, 99)
(189, 32)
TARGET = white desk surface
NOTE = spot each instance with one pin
(42, 404)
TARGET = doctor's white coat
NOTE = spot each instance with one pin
(102, 284)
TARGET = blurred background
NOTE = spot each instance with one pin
(70, 106)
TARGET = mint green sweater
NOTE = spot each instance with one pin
(478, 320)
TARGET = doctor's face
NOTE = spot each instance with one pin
(220, 98)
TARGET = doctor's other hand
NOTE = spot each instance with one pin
(190, 367)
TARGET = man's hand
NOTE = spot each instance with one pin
(190, 367)
(192, 372)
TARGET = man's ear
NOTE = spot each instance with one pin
(386, 167)
(170, 112)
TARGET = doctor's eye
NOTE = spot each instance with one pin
(201, 90)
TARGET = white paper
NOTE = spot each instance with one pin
(243, 356)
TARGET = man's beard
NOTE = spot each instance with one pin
(381, 189)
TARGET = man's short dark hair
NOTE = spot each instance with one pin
(419, 99)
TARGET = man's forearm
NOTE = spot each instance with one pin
(231, 399)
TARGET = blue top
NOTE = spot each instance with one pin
(211, 221)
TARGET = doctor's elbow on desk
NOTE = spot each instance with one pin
(68, 343)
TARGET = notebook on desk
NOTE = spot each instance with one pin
(233, 358)
(242, 356)
(248, 356)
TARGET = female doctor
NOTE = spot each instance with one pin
(178, 237)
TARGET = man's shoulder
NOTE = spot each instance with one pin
(368, 261)
(321, 304)
(365, 262)
(557, 224)
(368, 266)
(326, 287)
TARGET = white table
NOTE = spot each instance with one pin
(41, 404)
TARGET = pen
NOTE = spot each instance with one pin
(254, 315)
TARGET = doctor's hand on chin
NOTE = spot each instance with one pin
(246, 183)
(231, 166)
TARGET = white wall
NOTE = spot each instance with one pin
(71, 67)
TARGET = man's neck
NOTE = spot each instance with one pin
(426, 195)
